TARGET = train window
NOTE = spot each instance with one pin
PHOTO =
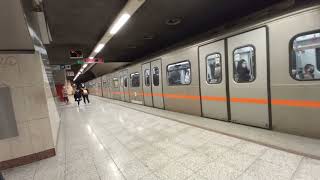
(125, 81)
(155, 76)
(135, 79)
(147, 77)
(115, 82)
(305, 57)
(179, 73)
(244, 64)
(214, 68)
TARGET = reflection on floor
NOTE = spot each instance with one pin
(104, 141)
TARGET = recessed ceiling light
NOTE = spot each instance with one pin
(148, 37)
(132, 47)
(173, 21)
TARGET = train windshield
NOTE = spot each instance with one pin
(305, 57)
(179, 73)
(214, 71)
(244, 68)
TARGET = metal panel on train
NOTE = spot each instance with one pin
(124, 88)
(247, 64)
(146, 84)
(181, 88)
(156, 76)
(136, 92)
(115, 84)
(213, 80)
(295, 90)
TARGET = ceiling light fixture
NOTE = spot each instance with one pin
(173, 21)
(99, 48)
(121, 21)
(129, 9)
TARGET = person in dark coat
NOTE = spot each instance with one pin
(243, 71)
(85, 95)
(77, 96)
(1, 177)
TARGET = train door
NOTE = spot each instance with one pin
(109, 85)
(122, 92)
(146, 84)
(125, 86)
(248, 82)
(213, 80)
(156, 85)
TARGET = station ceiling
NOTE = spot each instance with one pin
(79, 24)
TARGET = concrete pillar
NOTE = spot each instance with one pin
(25, 73)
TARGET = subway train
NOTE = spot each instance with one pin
(266, 75)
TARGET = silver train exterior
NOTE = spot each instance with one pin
(265, 75)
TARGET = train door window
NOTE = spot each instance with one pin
(107, 83)
(147, 77)
(115, 82)
(179, 73)
(244, 64)
(125, 81)
(155, 76)
(214, 68)
(305, 57)
(121, 81)
(135, 79)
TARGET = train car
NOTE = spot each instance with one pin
(265, 75)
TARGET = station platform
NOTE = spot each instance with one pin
(109, 139)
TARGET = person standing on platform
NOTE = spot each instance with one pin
(65, 95)
(85, 95)
(1, 177)
(77, 96)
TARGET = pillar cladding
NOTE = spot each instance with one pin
(8, 124)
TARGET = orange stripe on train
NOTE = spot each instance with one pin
(296, 103)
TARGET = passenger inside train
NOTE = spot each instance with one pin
(306, 62)
(214, 68)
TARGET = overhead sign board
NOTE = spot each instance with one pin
(67, 67)
(94, 60)
(70, 73)
(75, 54)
